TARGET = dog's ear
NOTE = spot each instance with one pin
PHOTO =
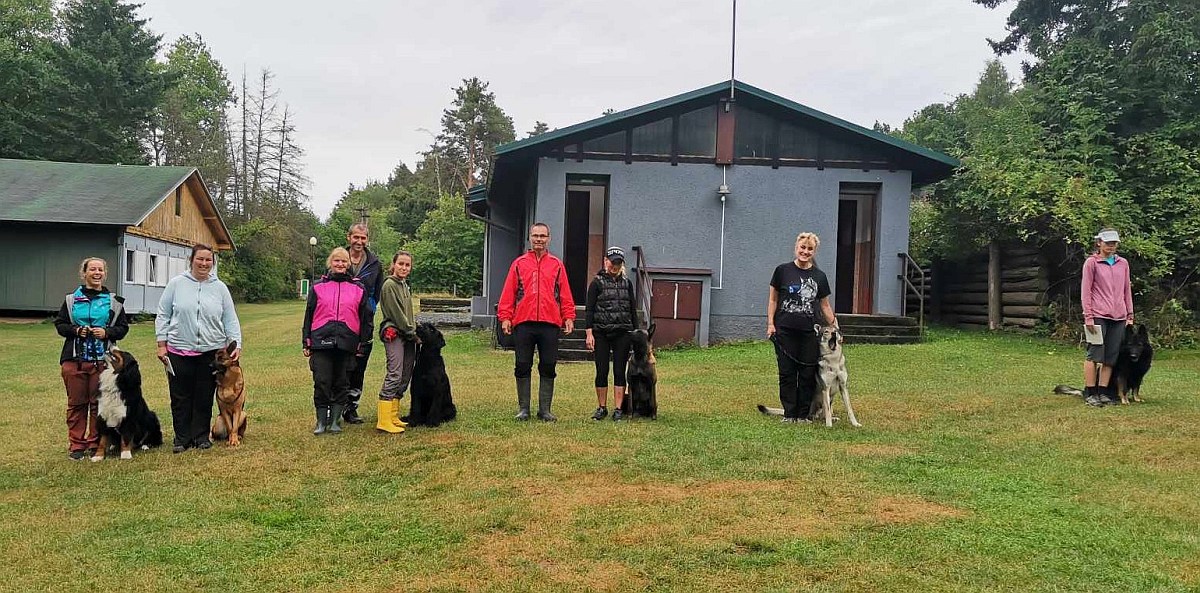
(1141, 330)
(231, 347)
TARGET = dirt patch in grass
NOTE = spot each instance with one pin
(910, 509)
(878, 450)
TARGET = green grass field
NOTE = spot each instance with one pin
(967, 476)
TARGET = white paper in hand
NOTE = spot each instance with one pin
(1093, 337)
(169, 367)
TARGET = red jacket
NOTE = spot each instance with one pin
(536, 290)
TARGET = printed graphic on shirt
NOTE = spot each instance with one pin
(799, 298)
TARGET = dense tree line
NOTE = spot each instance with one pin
(1103, 130)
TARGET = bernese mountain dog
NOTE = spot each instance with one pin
(123, 416)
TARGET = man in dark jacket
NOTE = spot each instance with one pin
(535, 304)
(366, 267)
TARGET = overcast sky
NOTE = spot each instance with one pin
(362, 75)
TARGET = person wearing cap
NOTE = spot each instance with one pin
(1107, 300)
(610, 316)
(535, 304)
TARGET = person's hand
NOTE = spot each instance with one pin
(1129, 321)
(358, 352)
(1091, 328)
(306, 351)
(569, 326)
(237, 353)
(99, 332)
(591, 342)
(83, 331)
(506, 326)
(770, 329)
(162, 353)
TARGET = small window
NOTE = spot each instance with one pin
(698, 132)
(130, 266)
(156, 271)
(179, 201)
(752, 138)
(611, 144)
(653, 138)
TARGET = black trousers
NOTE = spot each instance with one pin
(614, 346)
(796, 354)
(192, 388)
(358, 370)
(543, 336)
(331, 377)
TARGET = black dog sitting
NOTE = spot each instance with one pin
(123, 416)
(432, 403)
(1133, 363)
(642, 376)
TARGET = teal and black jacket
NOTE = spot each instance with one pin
(90, 308)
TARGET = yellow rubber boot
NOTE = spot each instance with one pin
(384, 418)
(396, 414)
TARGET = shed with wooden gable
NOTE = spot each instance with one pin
(142, 220)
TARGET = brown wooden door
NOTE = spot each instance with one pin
(675, 310)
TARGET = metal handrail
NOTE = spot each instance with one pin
(643, 286)
(907, 286)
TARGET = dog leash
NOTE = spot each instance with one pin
(779, 344)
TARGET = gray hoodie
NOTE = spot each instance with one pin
(197, 316)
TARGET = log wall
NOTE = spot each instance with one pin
(1019, 278)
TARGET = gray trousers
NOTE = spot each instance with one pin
(401, 355)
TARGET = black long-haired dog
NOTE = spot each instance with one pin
(432, 403)
(1133, 362)
(123, 416)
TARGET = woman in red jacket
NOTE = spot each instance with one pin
(337, 322)
(535, 304)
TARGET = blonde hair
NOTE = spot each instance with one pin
(83, 266)
(336, 251)
(617, 269)
(810, 236)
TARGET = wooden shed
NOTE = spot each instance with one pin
(142, 220)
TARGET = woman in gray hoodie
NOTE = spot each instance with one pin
(195, 319)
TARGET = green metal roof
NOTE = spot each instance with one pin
(740, 87)
(45, 191)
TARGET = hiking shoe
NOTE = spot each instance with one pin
(601, 412)
(1094, 401)
(179, 448)
(76, 455)
(789, 420)
(618, 415)
(204, 445)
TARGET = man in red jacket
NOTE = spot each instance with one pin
(535, 304)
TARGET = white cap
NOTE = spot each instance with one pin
(1107, 236)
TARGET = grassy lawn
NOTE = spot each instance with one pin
(967, 476)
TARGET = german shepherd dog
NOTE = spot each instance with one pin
(231, 397)
(642, 375)
(432, 402)
(1131, 367)
(123, 415)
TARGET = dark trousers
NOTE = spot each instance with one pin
(82, 380)
(331, 377)
(192, 388)
(358, 367)
(614, 346)
(543, 336)
(796, 353)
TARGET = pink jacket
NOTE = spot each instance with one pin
(1105, 291)
(338, 314)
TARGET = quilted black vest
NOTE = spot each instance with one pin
(614, 309)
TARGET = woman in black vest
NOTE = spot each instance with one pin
(610, 314)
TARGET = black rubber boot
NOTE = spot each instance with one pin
(523, 388)
(335, 419)
(322, 420)
(350, 414)
(545, 398)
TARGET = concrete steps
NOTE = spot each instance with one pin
(879, 329)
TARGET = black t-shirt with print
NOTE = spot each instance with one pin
(799, 295)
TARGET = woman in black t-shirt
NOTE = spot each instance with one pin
(798, 290)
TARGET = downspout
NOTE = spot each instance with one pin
(723, 191)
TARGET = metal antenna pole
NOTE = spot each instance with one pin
(733, 51)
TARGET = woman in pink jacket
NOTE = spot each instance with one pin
(337, 322)
(1107, 300)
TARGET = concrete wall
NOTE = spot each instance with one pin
(674, 213)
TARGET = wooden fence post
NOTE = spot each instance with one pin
(994, 311)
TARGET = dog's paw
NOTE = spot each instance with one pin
(126, 454)
(97, 458)
(145, 447)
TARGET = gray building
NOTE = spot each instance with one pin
(142, 220)
(712, 186)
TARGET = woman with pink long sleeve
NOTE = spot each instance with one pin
(1107, 299)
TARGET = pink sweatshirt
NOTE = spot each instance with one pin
(1106, 292)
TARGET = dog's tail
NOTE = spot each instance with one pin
(770, 411)
(1067, 390)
